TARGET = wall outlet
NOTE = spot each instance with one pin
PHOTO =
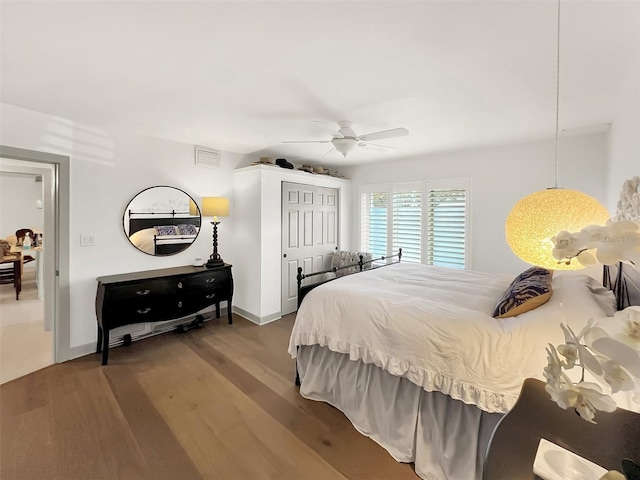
(88, 240)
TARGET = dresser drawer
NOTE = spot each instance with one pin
(152, 309)
(139, 290)
(208, 297)
(208, 279)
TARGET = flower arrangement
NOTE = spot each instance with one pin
(609, 348)
(609, 244)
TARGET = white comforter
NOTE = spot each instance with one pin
(433, 325)
(144, 239)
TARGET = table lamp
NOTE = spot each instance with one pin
(215, 207)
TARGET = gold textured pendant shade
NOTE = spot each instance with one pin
(538, 217)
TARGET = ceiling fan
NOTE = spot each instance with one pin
(345, 139)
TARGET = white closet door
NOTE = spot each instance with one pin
(309, 235)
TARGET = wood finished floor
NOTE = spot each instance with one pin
(215, 403)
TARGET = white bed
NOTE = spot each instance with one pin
(411, 355)
(148, 239)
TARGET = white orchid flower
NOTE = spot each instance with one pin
(616, 339)
(625, 327)
(617, 377)
(587, 257)
(567, 245)
(617, 248)
(574, 348)
(553, 371)
(584, 397)
(608, 244)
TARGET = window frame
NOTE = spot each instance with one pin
(424, 187)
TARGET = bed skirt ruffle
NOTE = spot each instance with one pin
(487, 400)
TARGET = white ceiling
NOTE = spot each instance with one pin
(244, 76)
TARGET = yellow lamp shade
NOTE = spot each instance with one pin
(540, 216)
(193, 208)
(215, 207)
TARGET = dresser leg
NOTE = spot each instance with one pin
(105, 347)
(218, 310)
(229, 314)
(99, 346)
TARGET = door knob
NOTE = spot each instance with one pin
(285, 255)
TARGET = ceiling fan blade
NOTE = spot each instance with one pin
(306, 141)
(332, 149)
(328, 128)
(394, 132)
(375, 146)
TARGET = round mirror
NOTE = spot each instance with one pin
(162, 221)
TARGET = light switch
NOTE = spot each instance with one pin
(88, 240)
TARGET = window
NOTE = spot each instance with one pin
(428, 220)
(373, 221)
(446, 230)
(407, 222)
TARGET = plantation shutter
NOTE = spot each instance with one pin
(407, 222)
(373, 221)
(447, 225)
(428, 220)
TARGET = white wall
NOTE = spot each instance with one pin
(624, 141)
(19, 195)
(500, 176)
(107, 169)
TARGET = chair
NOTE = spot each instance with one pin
(20, 234)
(514, 443)
(10, 267)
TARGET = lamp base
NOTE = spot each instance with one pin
(215, 262)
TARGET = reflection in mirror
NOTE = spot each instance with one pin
(162, 221)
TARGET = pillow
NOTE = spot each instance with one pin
(342, 259)
(187, 229)
(165, 230)
(528, 290)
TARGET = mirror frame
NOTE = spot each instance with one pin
(145, 219)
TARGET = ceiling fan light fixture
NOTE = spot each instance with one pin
(344, 145)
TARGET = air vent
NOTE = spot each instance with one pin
(207, 157)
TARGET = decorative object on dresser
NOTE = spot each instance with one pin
(162, 221)
(159, 295)
(215, 207)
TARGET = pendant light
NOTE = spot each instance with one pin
(538, 217)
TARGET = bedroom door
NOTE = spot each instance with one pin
(309, 235)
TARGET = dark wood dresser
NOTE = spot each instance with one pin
(158, 295)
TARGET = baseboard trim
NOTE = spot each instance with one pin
(256, 319)
(90, 348)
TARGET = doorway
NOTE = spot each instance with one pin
(47, 275)
(309, 235)
(26, 303)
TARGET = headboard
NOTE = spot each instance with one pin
(624, 280)
(137, 224)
